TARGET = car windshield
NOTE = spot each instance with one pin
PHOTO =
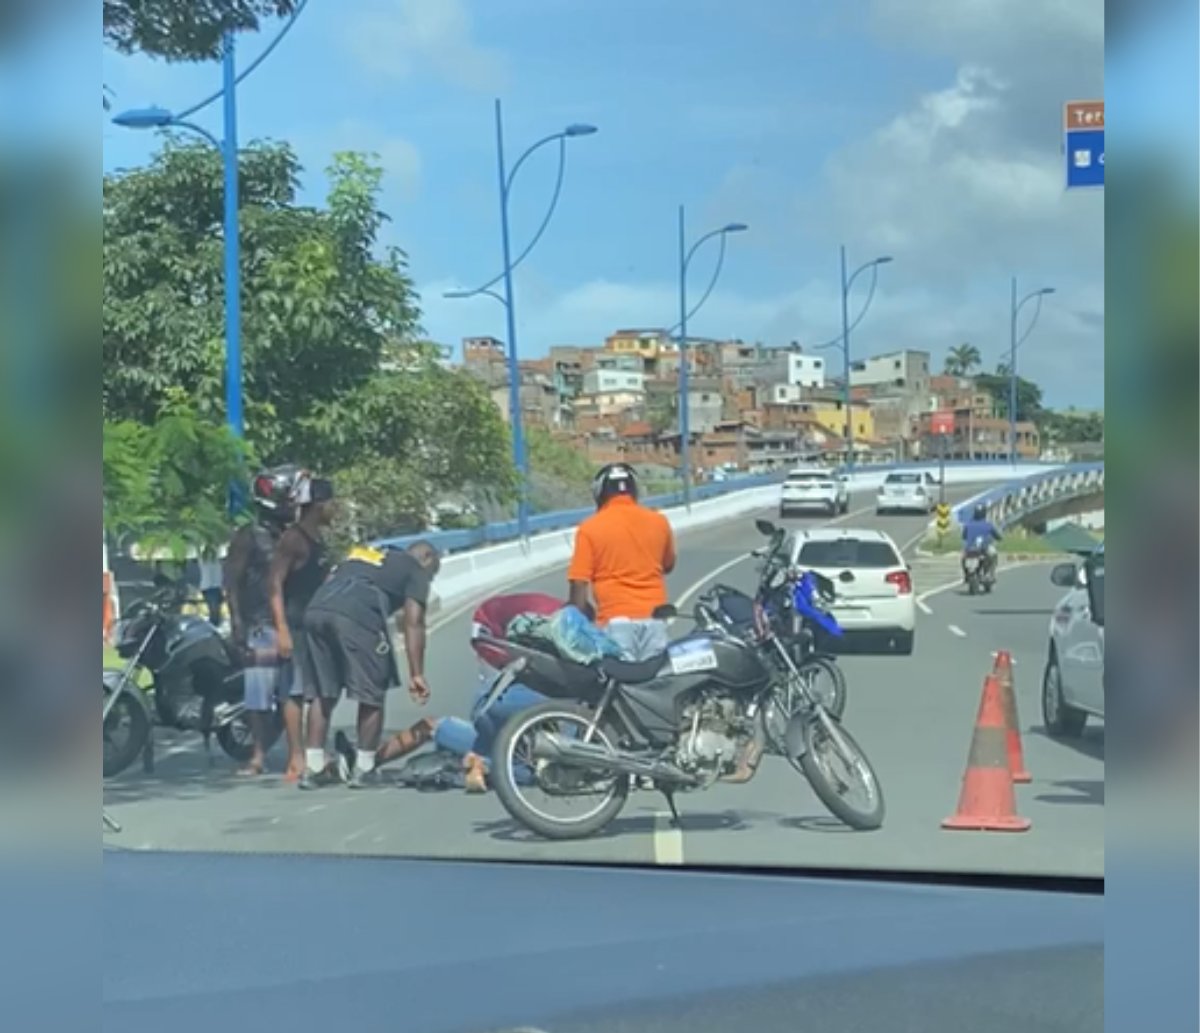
(559, 303)
(849, 553)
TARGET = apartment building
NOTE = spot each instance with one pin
(614, 381)
(486, 358)
(805, 370)
(905, 370)
(977, 436)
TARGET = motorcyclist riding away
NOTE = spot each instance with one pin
(978, 532)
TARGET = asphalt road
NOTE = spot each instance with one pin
(913, 716)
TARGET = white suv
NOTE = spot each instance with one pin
(873, 583)
(814, 489)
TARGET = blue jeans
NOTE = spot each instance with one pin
(462, 737)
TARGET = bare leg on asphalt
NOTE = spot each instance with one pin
(257, 763)
(403, 743)
(293, 724)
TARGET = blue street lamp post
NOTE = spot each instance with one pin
(506, 178)
(847, 283)
(685, 258)
(1014, 311)
(159, 118)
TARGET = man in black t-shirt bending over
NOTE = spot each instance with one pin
(349, 647)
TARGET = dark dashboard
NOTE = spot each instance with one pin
(226, 943)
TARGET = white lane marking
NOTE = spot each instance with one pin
(915, 540)
(691, 590)
(956, 630)
(929, 593)
(923, 608)
(668, 840)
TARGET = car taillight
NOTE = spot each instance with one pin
(901, 580)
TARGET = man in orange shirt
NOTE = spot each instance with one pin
(622, 556)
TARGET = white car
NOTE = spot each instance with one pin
(1073, 681)
(812, 488)
(909, 491)
(873, 582)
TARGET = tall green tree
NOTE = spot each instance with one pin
(962, 359)
(335, 374)
(184, 30)
(165, 484)
(1029, 394)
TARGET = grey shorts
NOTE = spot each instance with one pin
(639, 640)
(342, 655)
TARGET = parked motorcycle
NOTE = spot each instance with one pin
(197, 683)
(795, 603)
(978, 569)
(682, 721)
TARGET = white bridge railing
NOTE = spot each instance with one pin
(1014, 502)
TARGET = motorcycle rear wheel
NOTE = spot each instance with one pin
(504, 779)
(821, 736)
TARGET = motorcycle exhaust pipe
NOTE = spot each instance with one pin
(552, 747)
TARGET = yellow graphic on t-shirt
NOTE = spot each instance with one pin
(365, 554)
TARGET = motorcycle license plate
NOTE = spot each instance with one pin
(972, 564)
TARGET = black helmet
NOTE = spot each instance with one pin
(614, 479)
(274, 492)
(980, 511)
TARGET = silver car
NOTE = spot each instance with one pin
(1073, 681)
(907, 491)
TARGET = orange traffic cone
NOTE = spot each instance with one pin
(987, 801)
(1016, 752)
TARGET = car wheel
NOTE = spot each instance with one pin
(1062, 720)
(905, 640)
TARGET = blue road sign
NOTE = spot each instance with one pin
(1085, 158)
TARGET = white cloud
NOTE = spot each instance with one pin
(397, 39)
(963, 184)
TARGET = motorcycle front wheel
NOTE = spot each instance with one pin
(517, 774)
(237, 740)
(836, 766)
(126, 730)
(824, 681)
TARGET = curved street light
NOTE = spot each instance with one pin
(161, 118)
(1014, 311)
(685, 257)
(847, 283)
(507, 177)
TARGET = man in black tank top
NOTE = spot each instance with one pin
(299, 567)
(247, 570)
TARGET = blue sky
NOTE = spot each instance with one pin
(920, 128)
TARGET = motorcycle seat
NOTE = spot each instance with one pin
(633, 672)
